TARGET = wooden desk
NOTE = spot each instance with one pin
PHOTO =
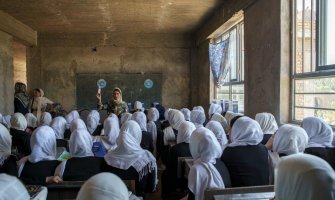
(64, 190)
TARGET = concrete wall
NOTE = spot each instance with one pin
(53, 64)
(6, 74)
(19, 62)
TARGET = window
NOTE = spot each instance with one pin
(313, 77)
(230, 85)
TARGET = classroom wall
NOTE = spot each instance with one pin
(52, 65)
(6, 74)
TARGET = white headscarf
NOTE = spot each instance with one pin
(111, 132)
(19, 122)
(103, 186)
(58, 124)
(77, 123)
(141, 119)
(319, 132)
(6, 120)
(80, 143)
(129, 152)
(199, 108)
(218, 131)
(46, 119)
(93, 119)
(245, 131)
(230, 115)
(214, 108)
(185, 132)
(198, 118)
(153, 116)
(5, 144)
(31, 120)
(203, 175)
(267, 122)
(175, 118)
(138, 106)
(12, 188)
(70, 117)
(166, 114)
(187, 113)
(219, 118)
(125, 117)
(303, 176)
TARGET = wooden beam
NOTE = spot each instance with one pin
(17, 29)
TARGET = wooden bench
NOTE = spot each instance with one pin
(64, 190)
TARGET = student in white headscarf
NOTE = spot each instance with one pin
(154, 127)
(7, 161)
(288, 140)
(320, 136)
(45, 119)
(69, 118)
(245, 157)
(31, 122)
(6, 121)
(147, 138)
(268, 124)
(170, 179)
(58, 124)
(80, 146)
(105, 186)
(219, 132)
(77, 123)
(38, 168)
(125, 117)
(214, 108)
(20, 138)
(203, 175)
(303, 176)
(219, 118)
(130, 162)
(93, 123)
(138, 106)
(230, 115)
(187, 113)
(12, 188)
(111, 132)
(199, 108)
(198, 118)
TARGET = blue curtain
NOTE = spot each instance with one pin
(219, 57)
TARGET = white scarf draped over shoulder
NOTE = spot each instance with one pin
(129, 153)
(203, 175)
(18, 121)
(267, 122)
(185, 132)
(92, 120)
(58, 124)
(5, 144)
(319, 132)
(175, 118)
(245, 131)
(141, 119)
(111, 132)
(70, 117)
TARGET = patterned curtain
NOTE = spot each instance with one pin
(219, 60)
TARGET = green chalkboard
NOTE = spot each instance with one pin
(146, 88)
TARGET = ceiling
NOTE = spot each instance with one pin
(86, 16)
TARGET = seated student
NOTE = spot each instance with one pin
(20, 138)
(288, 140)
(38, 168)
(93, 125)
(198, 118)
(105, 186)
(58, 124)
(45, 119)
(230, 115)
(165, 122)
(219, 118)
(219, 132)
(268, 124)
(320, 139)
(214, 108)
(6, 121)
(147, 139)
(111, 132)
(153, 127)
(12, 188)
(303, 176)
(125, 117)
(245, 157)
(138, 106)
(170, 179)
(31, 122)
(203, 174)
(69, 118)
(80, 146)
(187, 113)
(7, 160)
(76, 124)
(130, 162)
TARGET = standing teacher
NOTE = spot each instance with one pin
(115, 105)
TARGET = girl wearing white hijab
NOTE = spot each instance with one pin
(214, 108)
(187, 113)
(130, 162)
(219, 132)
(170, 178)
(6, 121)
(111, 132)
(199, 108)
(12, 188)
(58, 124)
(105, 186)
(230, 115)
(31, 122)
(7, 161)
(203, 174)
(20, 138)
(268, 124)
(288, 140)
(245, 157)
(92, 121)
(38, 168)
(46, 119)
(198, 118)
(80, 146)
(320, 139)
(69, 118)
(305, 177)
(147, 138)
(153, 127)
(76, 124)
(138, 106)
(219, 118)
(125, 117)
